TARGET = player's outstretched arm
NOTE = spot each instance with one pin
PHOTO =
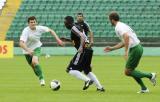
(91, 37)
(56, 37)
(111, 48)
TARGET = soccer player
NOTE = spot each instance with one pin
(133, 51)
(82, 59)
(31, 45)
(85, 26)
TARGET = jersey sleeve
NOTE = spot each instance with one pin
(88, 27)
(44, 29)
(24, 36)
(121, 30)
(76, 31)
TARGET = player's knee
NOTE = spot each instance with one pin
(34, 62)
(127, 72)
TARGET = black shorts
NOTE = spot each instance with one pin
(81, 61)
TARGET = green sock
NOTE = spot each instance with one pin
(38, 71)
(139, 74)
(140, 82)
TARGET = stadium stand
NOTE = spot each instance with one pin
(7, 16)
(142, 15)
(2, 4)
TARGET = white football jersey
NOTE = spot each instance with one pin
(32, 37)
(122, 28)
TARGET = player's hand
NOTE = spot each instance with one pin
(91, 43)
(30, 52)
(60, 42)
(108, 49)
(80, 50)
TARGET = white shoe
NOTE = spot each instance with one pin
(153, 79)
(143, 91)
(42, 82)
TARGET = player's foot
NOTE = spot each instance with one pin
(87, 84)
(42, 82)
(143, 91)
(101, 89)
(153, 79)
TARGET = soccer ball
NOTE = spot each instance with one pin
(55, 85)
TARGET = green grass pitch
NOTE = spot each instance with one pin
(19, 84)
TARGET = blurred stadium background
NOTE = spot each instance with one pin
(142, 15)
(17, 81)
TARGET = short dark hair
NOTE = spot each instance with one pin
(31, 18)
(114, 16)
(69, 19)
(80, 14)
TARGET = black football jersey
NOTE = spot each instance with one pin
(75, 35)
(85, 26)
